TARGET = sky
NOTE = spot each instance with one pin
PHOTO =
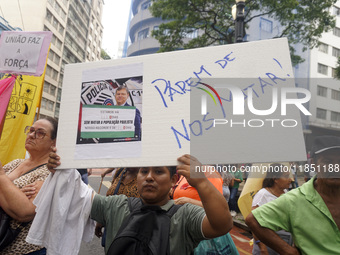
(114, 20)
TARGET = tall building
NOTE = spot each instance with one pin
(77, 37)
(5, 26)
(316, 73)
(141, 26)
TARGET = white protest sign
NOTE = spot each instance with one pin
(175, 87)
(24, 52)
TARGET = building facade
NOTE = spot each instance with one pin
(77, 36)
(141, 26)
(5, 26)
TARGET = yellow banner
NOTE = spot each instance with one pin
(25, 98)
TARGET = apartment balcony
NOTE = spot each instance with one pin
(144, 46)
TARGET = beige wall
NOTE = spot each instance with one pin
(33, 13)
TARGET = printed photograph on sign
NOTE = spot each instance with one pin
(110, 112)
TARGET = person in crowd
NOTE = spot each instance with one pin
(121, 96)
(85, 173)
(190, 224)
(124, 182)
(26, 176)
(228, 181)
(294, 167)
(234, 189)
(274, 185)
(184, 193)
(311, 213)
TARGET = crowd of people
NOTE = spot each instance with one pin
(163, 210)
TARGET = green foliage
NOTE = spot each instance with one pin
(104, 55)
(303, 21)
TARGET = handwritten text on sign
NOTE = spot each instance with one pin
(168, 90)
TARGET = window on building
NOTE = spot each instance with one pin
(335, 116)
(63, 15)
(266, 25)
(323, 69)
(333, 72)
(336, 31)
(50, 55)
(58, 44)
(166, 32)
(53, 39)
(43, 103)
(56, 59)
(49, 16)
(46, 87)
(48, 70)
(59, 95)
(57, 110)
(50, 105)
(146, 5)
(335, 94)
(192, 34)
(336, 11)
(55, 23)
(49, 88)
(61, 77)
(47, 104)
(143, 34)
(323, 48)
(52, 72)
(61, 29)
(321, 113)
(336, 52)
(322, 91)
(52, 90)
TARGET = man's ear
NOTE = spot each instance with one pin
(174, 179)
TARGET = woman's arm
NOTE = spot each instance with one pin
(13, 201)
(31, 190)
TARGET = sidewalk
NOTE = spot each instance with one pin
(241, 239)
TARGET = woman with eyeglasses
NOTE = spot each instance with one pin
(27, 175)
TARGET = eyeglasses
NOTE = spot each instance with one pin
(38, 133)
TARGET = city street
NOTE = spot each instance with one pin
(239, 236)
